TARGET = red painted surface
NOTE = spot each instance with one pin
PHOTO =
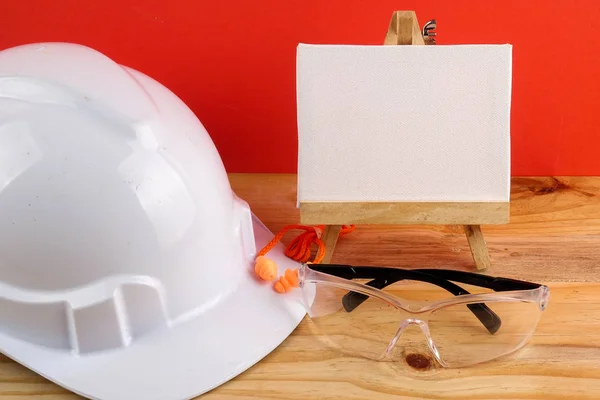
(233, 63)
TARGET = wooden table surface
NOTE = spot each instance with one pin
(553, 238)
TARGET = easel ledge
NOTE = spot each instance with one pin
(404, 30)
(450, 213)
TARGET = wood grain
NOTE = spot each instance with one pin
(330, 238)
(404, 29)
(560, 361)
(481, 256)
(553, 234)
(400, 29)
(386, 213)
(553, 238)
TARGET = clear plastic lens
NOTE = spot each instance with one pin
(367, 330)
(461, 338)
(458, 335)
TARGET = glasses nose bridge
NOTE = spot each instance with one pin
(406, 322)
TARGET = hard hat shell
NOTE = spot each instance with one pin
(125, 257)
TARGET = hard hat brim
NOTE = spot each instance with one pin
(185, 360)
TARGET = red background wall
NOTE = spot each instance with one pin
(233, 63)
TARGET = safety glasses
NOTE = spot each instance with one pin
(378, 319)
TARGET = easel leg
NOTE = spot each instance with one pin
(478, 246)
(330, 237)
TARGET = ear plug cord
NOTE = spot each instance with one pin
(299, 249)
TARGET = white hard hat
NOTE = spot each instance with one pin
(126, 261)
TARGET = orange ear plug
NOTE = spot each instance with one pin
(287, 282)
(265, 268)
(298, 250)
(282, 285)
(279, 288)
(292, 277)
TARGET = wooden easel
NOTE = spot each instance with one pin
(404, 30)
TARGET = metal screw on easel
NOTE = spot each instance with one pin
(429, 32)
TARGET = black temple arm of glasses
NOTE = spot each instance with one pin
(490, 282)
(385, 276)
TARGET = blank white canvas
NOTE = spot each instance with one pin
(404, 123)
